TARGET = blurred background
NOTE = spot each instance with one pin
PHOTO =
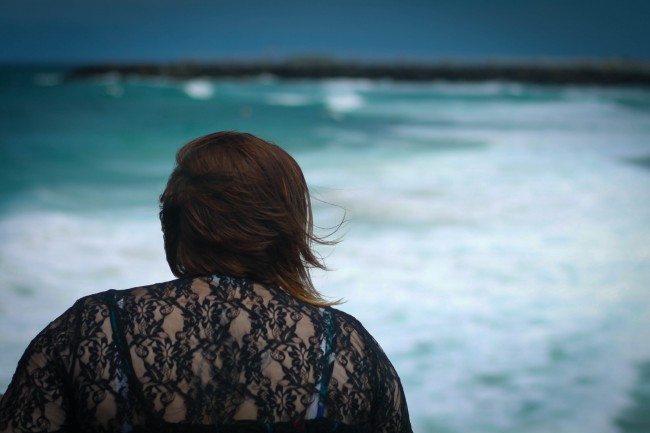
(497, 241)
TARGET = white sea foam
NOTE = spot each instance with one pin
(523, 253)
(49, 259)
(289, 99)
(343, 95)
(341, 102)
(199, 89)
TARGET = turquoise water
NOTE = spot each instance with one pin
(497, 238)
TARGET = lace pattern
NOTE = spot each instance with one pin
(205, 354)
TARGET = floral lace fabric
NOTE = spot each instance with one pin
(212, 354)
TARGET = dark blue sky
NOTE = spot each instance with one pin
(93, 30)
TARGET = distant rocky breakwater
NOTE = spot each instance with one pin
(602, 73)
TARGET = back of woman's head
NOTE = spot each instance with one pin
(237, 205)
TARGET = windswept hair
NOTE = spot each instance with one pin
(237, 205)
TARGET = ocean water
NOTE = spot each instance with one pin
(497, 241)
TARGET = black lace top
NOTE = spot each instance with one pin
(212, 354)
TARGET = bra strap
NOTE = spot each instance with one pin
(135, 386)
(328, 363)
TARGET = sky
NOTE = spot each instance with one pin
(86, 31)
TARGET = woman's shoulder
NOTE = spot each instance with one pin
(94, 307)
(349, 322)
(352, 333)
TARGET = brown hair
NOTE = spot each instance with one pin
(237, 205)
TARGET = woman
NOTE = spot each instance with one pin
(241, 341)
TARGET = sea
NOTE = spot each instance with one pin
(495, 237)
